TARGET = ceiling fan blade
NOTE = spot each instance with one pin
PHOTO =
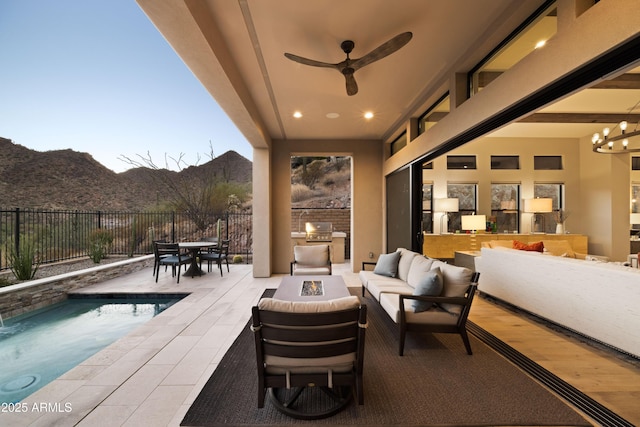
(311, 62)
(352, 86)
(383, 50)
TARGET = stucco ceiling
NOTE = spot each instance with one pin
(236, 48)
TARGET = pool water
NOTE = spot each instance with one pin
(38, 347)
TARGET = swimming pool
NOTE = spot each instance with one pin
(38, 347)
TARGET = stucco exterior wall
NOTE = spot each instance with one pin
(366, 195)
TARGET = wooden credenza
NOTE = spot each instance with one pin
(445, 245)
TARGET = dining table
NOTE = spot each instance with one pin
(194, 249)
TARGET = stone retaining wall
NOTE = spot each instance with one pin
(34, 294)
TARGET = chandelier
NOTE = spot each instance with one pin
(624, 142)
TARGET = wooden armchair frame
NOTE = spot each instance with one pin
(460, 327)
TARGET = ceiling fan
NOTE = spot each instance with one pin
(349, 66)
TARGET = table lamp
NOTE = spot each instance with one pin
(536, 207)
(474, 223)
(445, 206)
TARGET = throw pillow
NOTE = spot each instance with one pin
(387, 264)
(429, 285)
(533, 247)
(420, 265)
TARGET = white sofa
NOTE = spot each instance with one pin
(597, 299)
(452, 303)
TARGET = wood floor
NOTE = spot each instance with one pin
(607, 377)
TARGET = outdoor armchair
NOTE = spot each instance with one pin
(311, 260)
(300, 345)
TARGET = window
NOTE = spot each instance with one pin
(556, 193)
(427, 208)
(505, 209)
(505, 162)
(434, 114)
(547, 163)
(461, 162)
(467, 203)
(399, 143)
(635, 163)
(539, 27)
(635, 197)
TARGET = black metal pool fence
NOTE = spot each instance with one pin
(58, 235)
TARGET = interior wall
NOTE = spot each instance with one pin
(604, 204)
(526, 176)
(366, 198)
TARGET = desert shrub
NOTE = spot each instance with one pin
(98, 244)
(237, 259)
(300, 192)
(24, 263)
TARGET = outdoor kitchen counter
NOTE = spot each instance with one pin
(336, 245)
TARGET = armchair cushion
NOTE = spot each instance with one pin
(311, 256)
(430, 284)
(387, 264)
(337, 304)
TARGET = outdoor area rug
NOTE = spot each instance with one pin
(435, 383)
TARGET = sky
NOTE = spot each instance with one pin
(97, 77)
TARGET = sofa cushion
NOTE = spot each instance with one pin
(420, 265)
(456, 281)
(387, 264)
(365, 276)
(559, 248)
(383, 284)
(430, 284)
(533, 247)
(391, 304)
(406, 256)
(498, 244)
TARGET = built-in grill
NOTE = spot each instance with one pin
(319, 231)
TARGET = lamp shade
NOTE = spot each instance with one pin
(474, 222)
(538, 205)
(634, 218)
(445, 205)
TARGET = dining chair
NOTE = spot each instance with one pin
(169, 255)
(156, 255)
(217, 254)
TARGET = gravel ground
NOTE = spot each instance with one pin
(48, 270)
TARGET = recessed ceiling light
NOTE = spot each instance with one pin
(368, 115)
(297, 114)
(540, 44)
(332, 115)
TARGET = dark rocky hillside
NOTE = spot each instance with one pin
(65, 179)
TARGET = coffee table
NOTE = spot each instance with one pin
(290, 288)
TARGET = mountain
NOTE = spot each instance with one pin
(66, 179)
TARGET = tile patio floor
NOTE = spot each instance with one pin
(151, 376)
